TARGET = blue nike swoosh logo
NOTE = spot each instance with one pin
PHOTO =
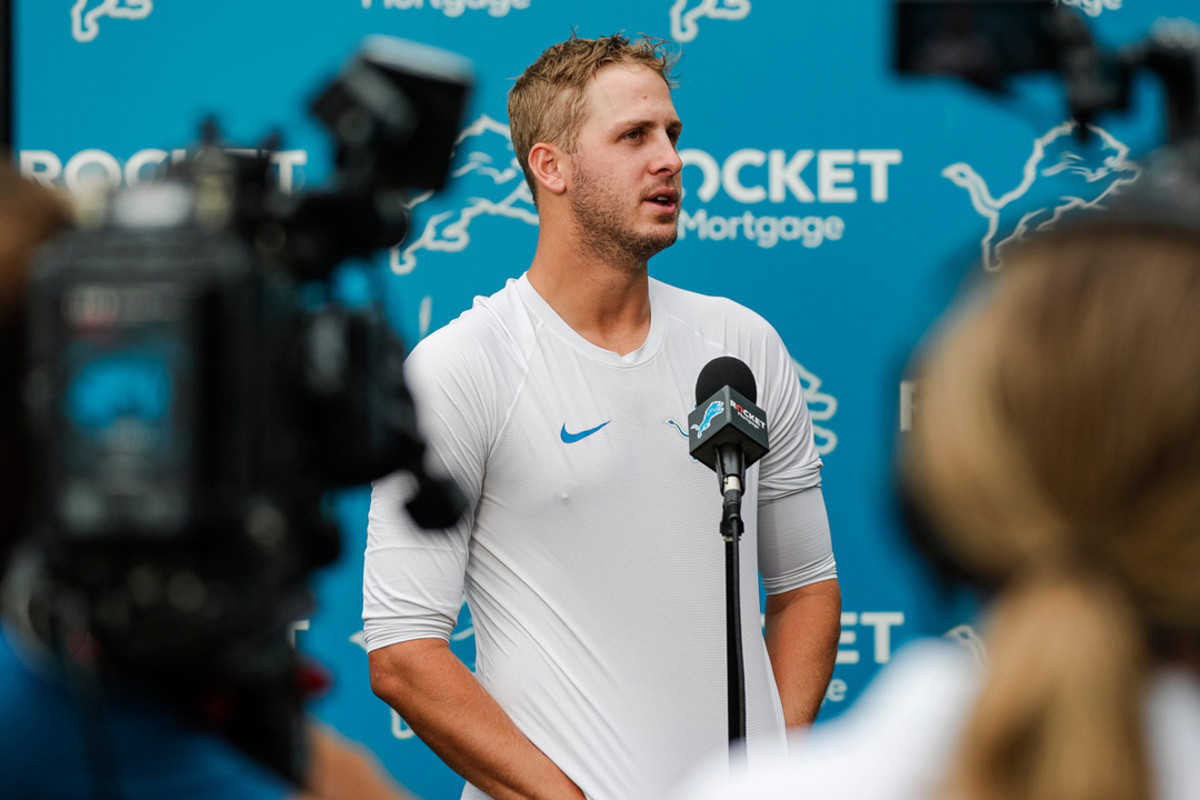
(575, 437)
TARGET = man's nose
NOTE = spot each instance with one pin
(667, 158)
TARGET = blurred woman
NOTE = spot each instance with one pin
(1055, 462)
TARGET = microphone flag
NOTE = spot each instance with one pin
(727, 417)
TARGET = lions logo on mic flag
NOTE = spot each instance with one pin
(727, 417)
(714, 408)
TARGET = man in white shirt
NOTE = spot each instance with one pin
(590, 555)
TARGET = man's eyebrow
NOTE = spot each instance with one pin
(673, 126)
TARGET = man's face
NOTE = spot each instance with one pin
(624, 188)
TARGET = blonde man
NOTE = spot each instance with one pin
(590, 557)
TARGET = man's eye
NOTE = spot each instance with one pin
(636, 134)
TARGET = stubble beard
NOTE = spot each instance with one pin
(603, 233)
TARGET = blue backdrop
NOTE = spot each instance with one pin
(836, 199)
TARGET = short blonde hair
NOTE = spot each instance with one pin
(546, 104)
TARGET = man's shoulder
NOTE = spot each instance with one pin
(494, 330)
(705, 311)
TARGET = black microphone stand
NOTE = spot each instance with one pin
(730, 471)
(728, 433)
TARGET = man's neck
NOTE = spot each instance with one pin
(606, 304)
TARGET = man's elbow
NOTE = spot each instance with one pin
(382, 679)
(823, 598)
(828, 593)
(396, 669)
(827, 596)
(832, 591)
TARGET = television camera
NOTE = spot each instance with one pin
(195, 389)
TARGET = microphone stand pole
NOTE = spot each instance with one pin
(730, 470)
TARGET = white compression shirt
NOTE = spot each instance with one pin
(591, 558)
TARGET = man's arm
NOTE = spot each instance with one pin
(804, 600)
(413, 579)
(446, 706)
(803, 626)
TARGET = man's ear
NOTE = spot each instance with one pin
(550, 167)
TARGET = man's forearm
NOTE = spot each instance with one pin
(802, 629)
(452, 713)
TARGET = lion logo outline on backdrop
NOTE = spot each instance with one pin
(821, 408)
(85, 26)
(1055, 156)
(685, 21)
(499, 189)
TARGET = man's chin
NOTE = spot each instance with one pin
(663, 241)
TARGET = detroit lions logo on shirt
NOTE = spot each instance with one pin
(714, 408)
(677, 427)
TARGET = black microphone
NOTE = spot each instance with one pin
(727, 432)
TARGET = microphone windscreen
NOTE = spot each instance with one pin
(726, 371)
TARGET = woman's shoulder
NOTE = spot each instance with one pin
(893, 743)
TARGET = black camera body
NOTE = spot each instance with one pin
(989, 42)
(194, 390)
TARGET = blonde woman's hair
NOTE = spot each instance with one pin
(1057, 456)
(547, 102)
